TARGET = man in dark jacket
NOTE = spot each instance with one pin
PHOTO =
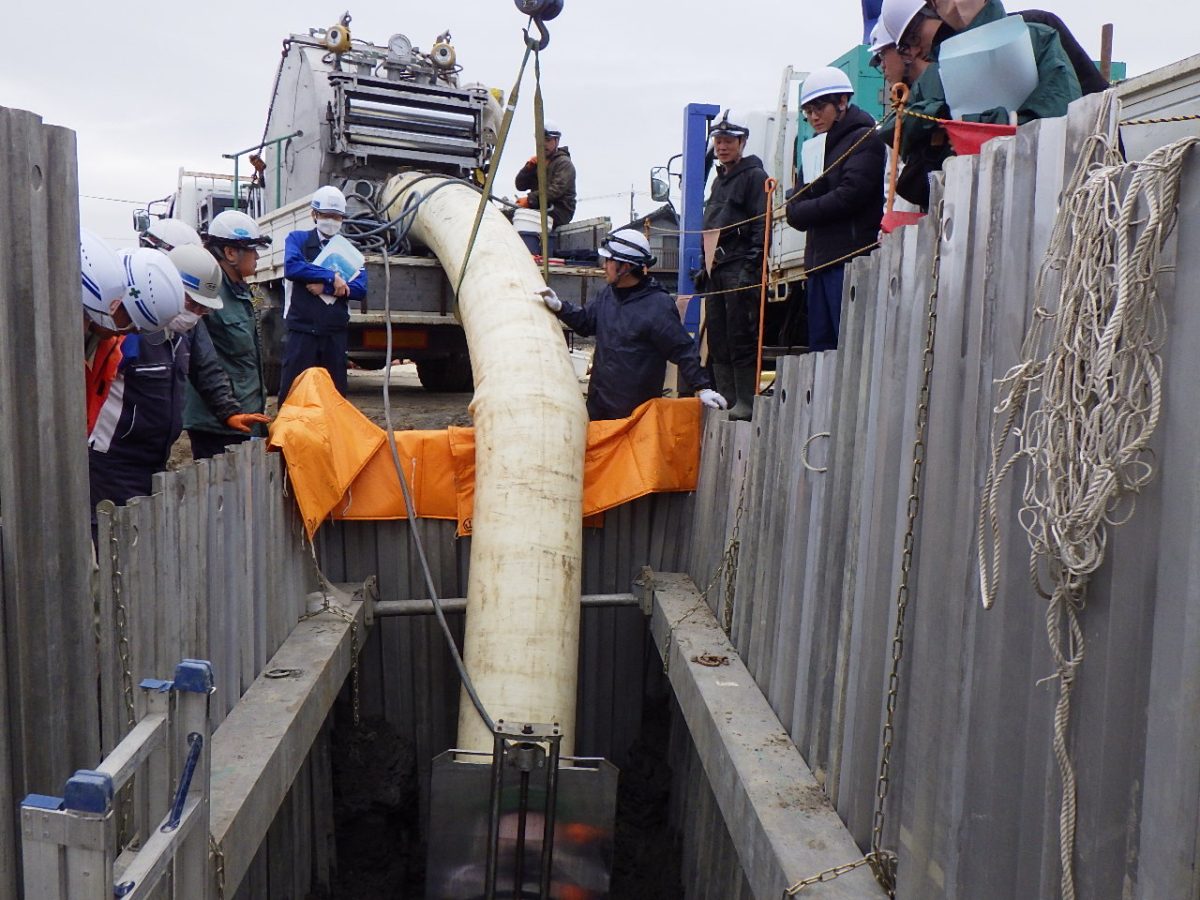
(840, 207)
(233, 239)
(560, 180)
(637, 331)
(735, 217)
(317, 309)
(140, 413)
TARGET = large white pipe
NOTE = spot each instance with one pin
(522, 631)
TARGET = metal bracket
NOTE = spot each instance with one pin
(643, 589)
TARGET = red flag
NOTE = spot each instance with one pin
(897, 219)
(967, 137)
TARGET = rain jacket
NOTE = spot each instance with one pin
(560, 186)
(637, 331)
(234, 332)
(1057, 87)
(141, 410)
(307, 312)
(841, 210)
(738, 195)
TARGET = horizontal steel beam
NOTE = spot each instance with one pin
(459, 604)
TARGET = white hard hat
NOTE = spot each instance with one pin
(881, 39)
(153, 288)
(823, 82)
(627, 245)
(234, 227)
(102, 277)
(728, 126)
(897, 15)
(167, 234)
(329, 199)
(550, 128)
(200, 273)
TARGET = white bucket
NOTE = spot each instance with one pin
(987, 67)
(527, 221)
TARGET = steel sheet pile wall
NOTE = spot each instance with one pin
(974, 790)
(408, 677)
(212, 566)
(48, 723)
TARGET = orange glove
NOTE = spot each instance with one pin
(523, 202)
(532, 160)
(243, 421)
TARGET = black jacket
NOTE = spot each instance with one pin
(841, 211)
(737, 195)
(560, 186)
(637, 330)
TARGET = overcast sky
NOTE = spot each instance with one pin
(152, 87)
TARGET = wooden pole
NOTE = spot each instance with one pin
(1106, 46)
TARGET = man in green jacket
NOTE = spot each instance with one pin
(233, 238)
(923, 144)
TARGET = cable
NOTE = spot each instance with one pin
(409, 506)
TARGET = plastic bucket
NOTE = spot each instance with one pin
(988, 67)
(527, 220)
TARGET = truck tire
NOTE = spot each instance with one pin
(446, 374)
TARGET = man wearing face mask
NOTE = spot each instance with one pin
(233, 239)
(140, 410)
(317, 303)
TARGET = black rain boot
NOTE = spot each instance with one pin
(744, 377)
(726, 386)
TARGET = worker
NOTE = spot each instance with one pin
(317, 306)
(637, 329)
(103, 289)
(560, 179)
(840, 206)
(919, 33)
(142, 402)
(233, 239)
(896, 69)
(735, 227)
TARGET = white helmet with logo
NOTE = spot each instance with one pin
(200, 273)
(167, 234)
(103, 278)
(881, 39)
(627, 245)
(236, 229)
(897, 15)
(329, 199)
(154, 290)
(725, 126)
(823, 82)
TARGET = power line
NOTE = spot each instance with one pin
(112, 199)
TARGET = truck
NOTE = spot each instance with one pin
(351, 113)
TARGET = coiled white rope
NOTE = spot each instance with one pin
(1084, 400)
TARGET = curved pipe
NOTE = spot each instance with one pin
(523, 593)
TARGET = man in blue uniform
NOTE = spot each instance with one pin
(637, 331)
(317, 310)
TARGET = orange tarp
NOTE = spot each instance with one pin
(340, 465)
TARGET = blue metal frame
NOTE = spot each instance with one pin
(691, 255)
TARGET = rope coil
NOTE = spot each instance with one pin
(1084, 401)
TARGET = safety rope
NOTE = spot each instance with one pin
(1084, 401)
(1166, 120)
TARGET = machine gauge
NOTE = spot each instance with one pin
(399, 47)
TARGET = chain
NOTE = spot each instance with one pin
(828, 875)
(218, 856)
(327, 606)
(883, 863)
(125, 807)
(726, 569)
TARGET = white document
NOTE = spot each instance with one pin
(987, 67)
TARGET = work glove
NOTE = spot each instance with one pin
(523, 202)
(243, 421)
(712, 399)
(550, 298)
(532, 160)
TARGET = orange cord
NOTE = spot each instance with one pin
(769, 186)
